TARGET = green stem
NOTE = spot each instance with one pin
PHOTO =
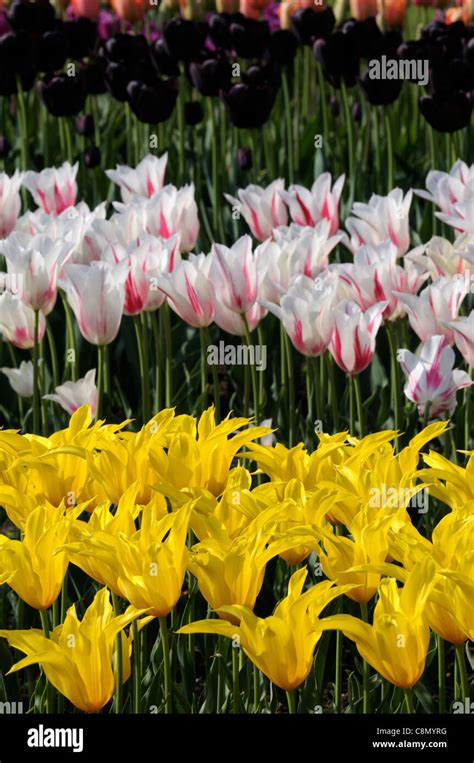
(36, 380)
(388, 136)
(53, 354)
(136, 668)
(441, 675)
(118, 661)
(395, 370)
(168, 354)
(350, 141)
(467, 413)
(289, 129)
(332, 382)
(291, 697)
(144, 370)
(100, 381)
(291, 391)
(360, 410)
(49, 686)
(409, 701)
(253, 374)
(215, 378)
(235, 680)
(157, 339)
(166, 666)
(365, 665)
(461, 663)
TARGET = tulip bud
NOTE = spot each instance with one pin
(85, 125)
(92, 156)
(244, 159)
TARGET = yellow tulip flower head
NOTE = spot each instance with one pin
(78, 657)
(282, 645)
(35, 566)
(397, 642)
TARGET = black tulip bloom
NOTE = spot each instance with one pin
(211, 76)
(152, 103)
(126, 48)
(249, 38)
(244, 159)
(309, 25)
(183, 38)
(85, 125)
(249, 105)
(81, 36)
(63, 96)
(450, 76)
(447, 114)
(93, 75)
(339, 58)
(219, 28)
(52, 52)
(117, 78)
(16, 53)
(269, 73)
(167, 65)
(92, 157)
(5, 147)
(282, 46)
(380, 92)
(193, 113)
(36, 17)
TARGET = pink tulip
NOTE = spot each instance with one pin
(167, 257)
(307, 313)
(463, 330)
(88, 9)
(38, 262)
(17, 322)
(168, 212)
(96, 294)
(234, 274)
(434, 306)
(145, 180)
(262, 208)
(71, 395)
(449, 192)
(322, 202)
(53, 189)
(311, 246)
(10, 202)
(190, 291)
(353, 338)
(233, 322)
(430, 377)
(384, 218)
(374, 276)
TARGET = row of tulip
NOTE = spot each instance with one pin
(138, 264)
(336, 528)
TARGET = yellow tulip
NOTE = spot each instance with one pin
(231, 571)
(397, 642)
(368, 544)
(282, 645)
(147, 567)
(78, 657)
(35, 566)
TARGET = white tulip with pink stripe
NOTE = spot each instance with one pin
(434, 306)
(262, 208)
(53, 189)
(352, 342)
(309, 207)
(431, 380)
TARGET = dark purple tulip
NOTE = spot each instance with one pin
(211, 76)
(16, 53)
(339, 58)
(93, 75)
(193, 113)
(450, 76)
(244, 159)
(85, 125)
(81, 35)
(448, 114)
(126, 48)
(282, 46)
(52, 52)
(36, 17)
(380, 92)
(184, 39)
(63, 96)
(152, 103)
(4, 147)
(249, 105)
(167, 65)
(92, 156)
(309, 25)
(249, 38)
